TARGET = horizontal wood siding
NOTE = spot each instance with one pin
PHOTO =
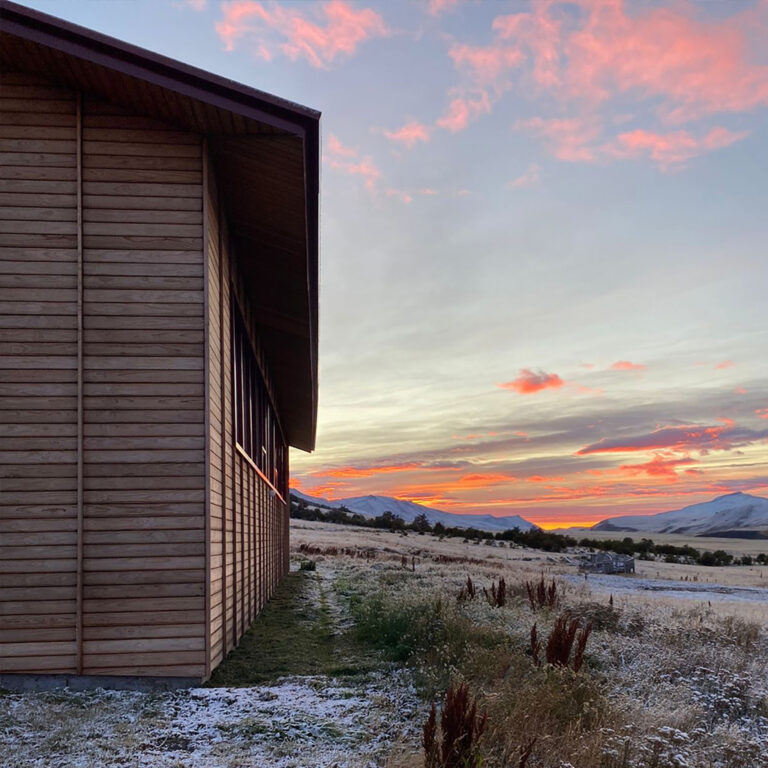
(249, 523)
(144, 432)
(38, 376)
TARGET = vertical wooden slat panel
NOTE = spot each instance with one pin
(79, 598)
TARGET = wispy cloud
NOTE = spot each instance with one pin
(724, 364)
(530, 382)
(349, 160)
(436, 7)
(320, 34)
(410, 134)
(670, 151)
(626, 365)
(723, 437)
(528, 179)
(462, 109)
(658, 466)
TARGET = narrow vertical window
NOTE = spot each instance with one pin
(257, 429)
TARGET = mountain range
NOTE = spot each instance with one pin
(374, 506)
(735, 515)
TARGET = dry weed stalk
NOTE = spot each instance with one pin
(560, 643)
(497, 597)
(460, 730)
(541, 594)
(468, 591)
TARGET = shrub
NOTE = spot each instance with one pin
(460, 730)
(308, 565)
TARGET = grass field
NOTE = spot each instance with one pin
(343, 665)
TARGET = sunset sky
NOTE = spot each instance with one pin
(544, 235)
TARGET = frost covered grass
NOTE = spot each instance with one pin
(295, 723)
(664, 684)
(344, 664)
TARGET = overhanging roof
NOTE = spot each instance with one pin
(266, 155)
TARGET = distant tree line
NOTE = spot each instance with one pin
(645, 549)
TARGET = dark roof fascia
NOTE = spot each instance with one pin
(160, 70)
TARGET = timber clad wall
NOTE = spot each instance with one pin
(132, 540)
(38, 375)
(144, 430)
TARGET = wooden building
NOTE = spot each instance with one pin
(158, 352)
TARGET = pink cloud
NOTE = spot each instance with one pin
(529, 382)
(696, 66)
(464, 109)
(410, 134)
(739, 391)
(399, 194)
(486, 65)
(569, 139)
(348, 160)
(436, 7)
(271, 28)
(527, 179)
(762, 413)
(587, 54)
(724, 364)
(625, 365)
(197, 5)
(670, 150)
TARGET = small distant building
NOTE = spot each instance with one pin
(608, 562)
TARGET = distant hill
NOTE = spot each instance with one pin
(374, 506)
(733, 515)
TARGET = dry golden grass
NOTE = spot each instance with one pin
(669, 682)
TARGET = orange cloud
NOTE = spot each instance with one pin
(410, 134)
(724, 364)
(355, 472)
(462, 110)
(340, 28)
(483, 480)
(348, 160)
(739, 391)
(762, 413)
(625, 365)
(529, 382)
(658, 466)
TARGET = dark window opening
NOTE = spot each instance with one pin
(257, 431)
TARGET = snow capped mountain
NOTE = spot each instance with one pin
(725, 514)
(375, 506)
